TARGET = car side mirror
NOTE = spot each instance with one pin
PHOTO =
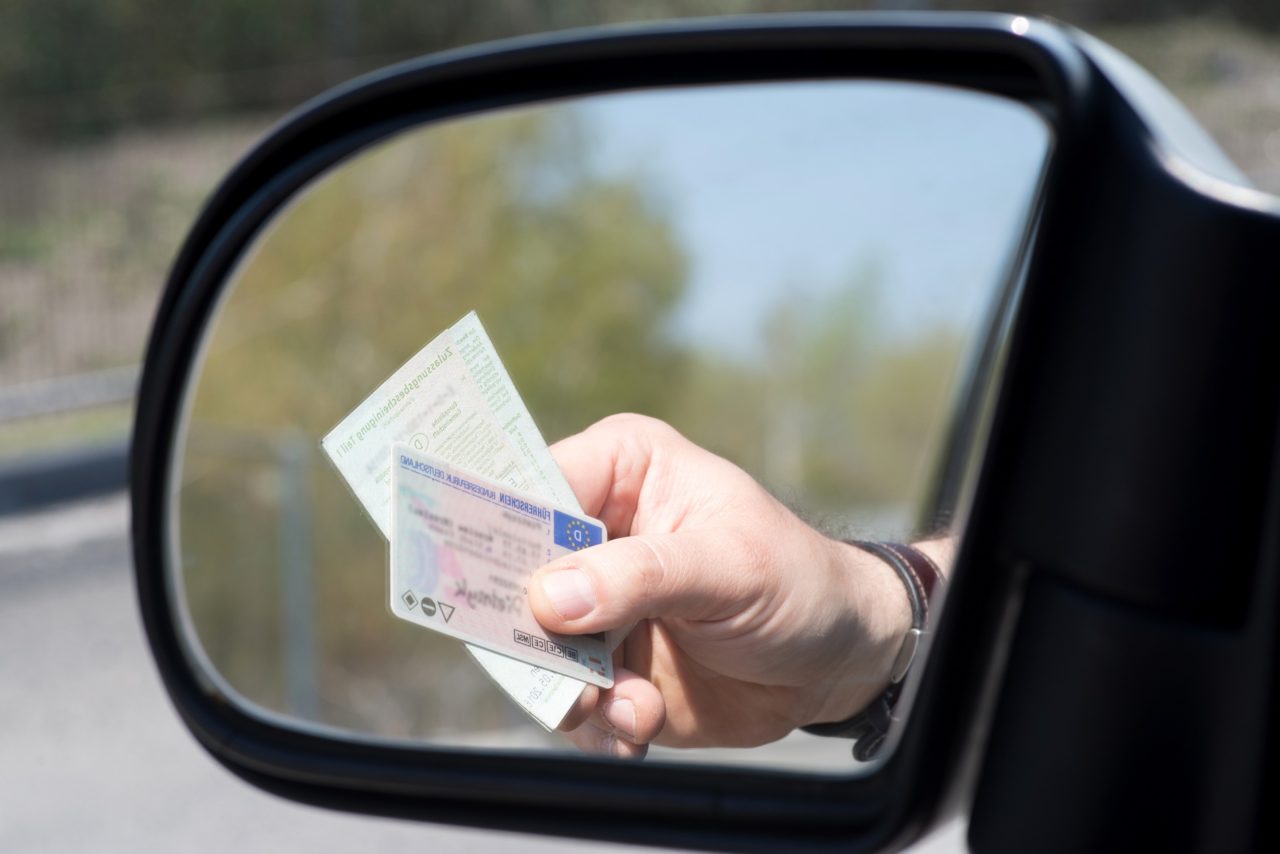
(963, 273)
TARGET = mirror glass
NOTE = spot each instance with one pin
(797, 276)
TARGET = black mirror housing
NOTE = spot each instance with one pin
(1088, 633)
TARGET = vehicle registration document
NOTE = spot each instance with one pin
(462, 550)
(454, 399)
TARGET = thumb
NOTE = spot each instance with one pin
(697, 575)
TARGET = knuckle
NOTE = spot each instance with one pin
(621, 421)
(635, 424)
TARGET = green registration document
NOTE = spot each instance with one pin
(455, 400)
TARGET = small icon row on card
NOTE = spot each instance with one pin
(543, 645)
(429, 606)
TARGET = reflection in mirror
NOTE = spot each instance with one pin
(795, 276)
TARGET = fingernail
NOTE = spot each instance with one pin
(621, 714)
(570, 593)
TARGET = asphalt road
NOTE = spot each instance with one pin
(93, 758)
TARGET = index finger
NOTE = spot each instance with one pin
(606, 465)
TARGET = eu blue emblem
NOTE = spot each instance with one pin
(572, 533)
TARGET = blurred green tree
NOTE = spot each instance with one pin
(573, 273)
(838, 413)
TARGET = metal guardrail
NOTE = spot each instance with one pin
(56, 477)
(66, 394)
(45, 478)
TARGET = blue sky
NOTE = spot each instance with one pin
(793, 188)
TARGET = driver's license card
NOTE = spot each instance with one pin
(462, 550)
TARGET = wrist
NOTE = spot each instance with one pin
(879, 618)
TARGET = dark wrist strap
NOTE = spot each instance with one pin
(920, 576)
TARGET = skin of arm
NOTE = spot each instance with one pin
(748, 622)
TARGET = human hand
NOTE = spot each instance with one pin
(749, 622)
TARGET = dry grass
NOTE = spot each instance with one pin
(19, 439)
(86, 236)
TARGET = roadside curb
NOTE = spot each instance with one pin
(58, 477)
